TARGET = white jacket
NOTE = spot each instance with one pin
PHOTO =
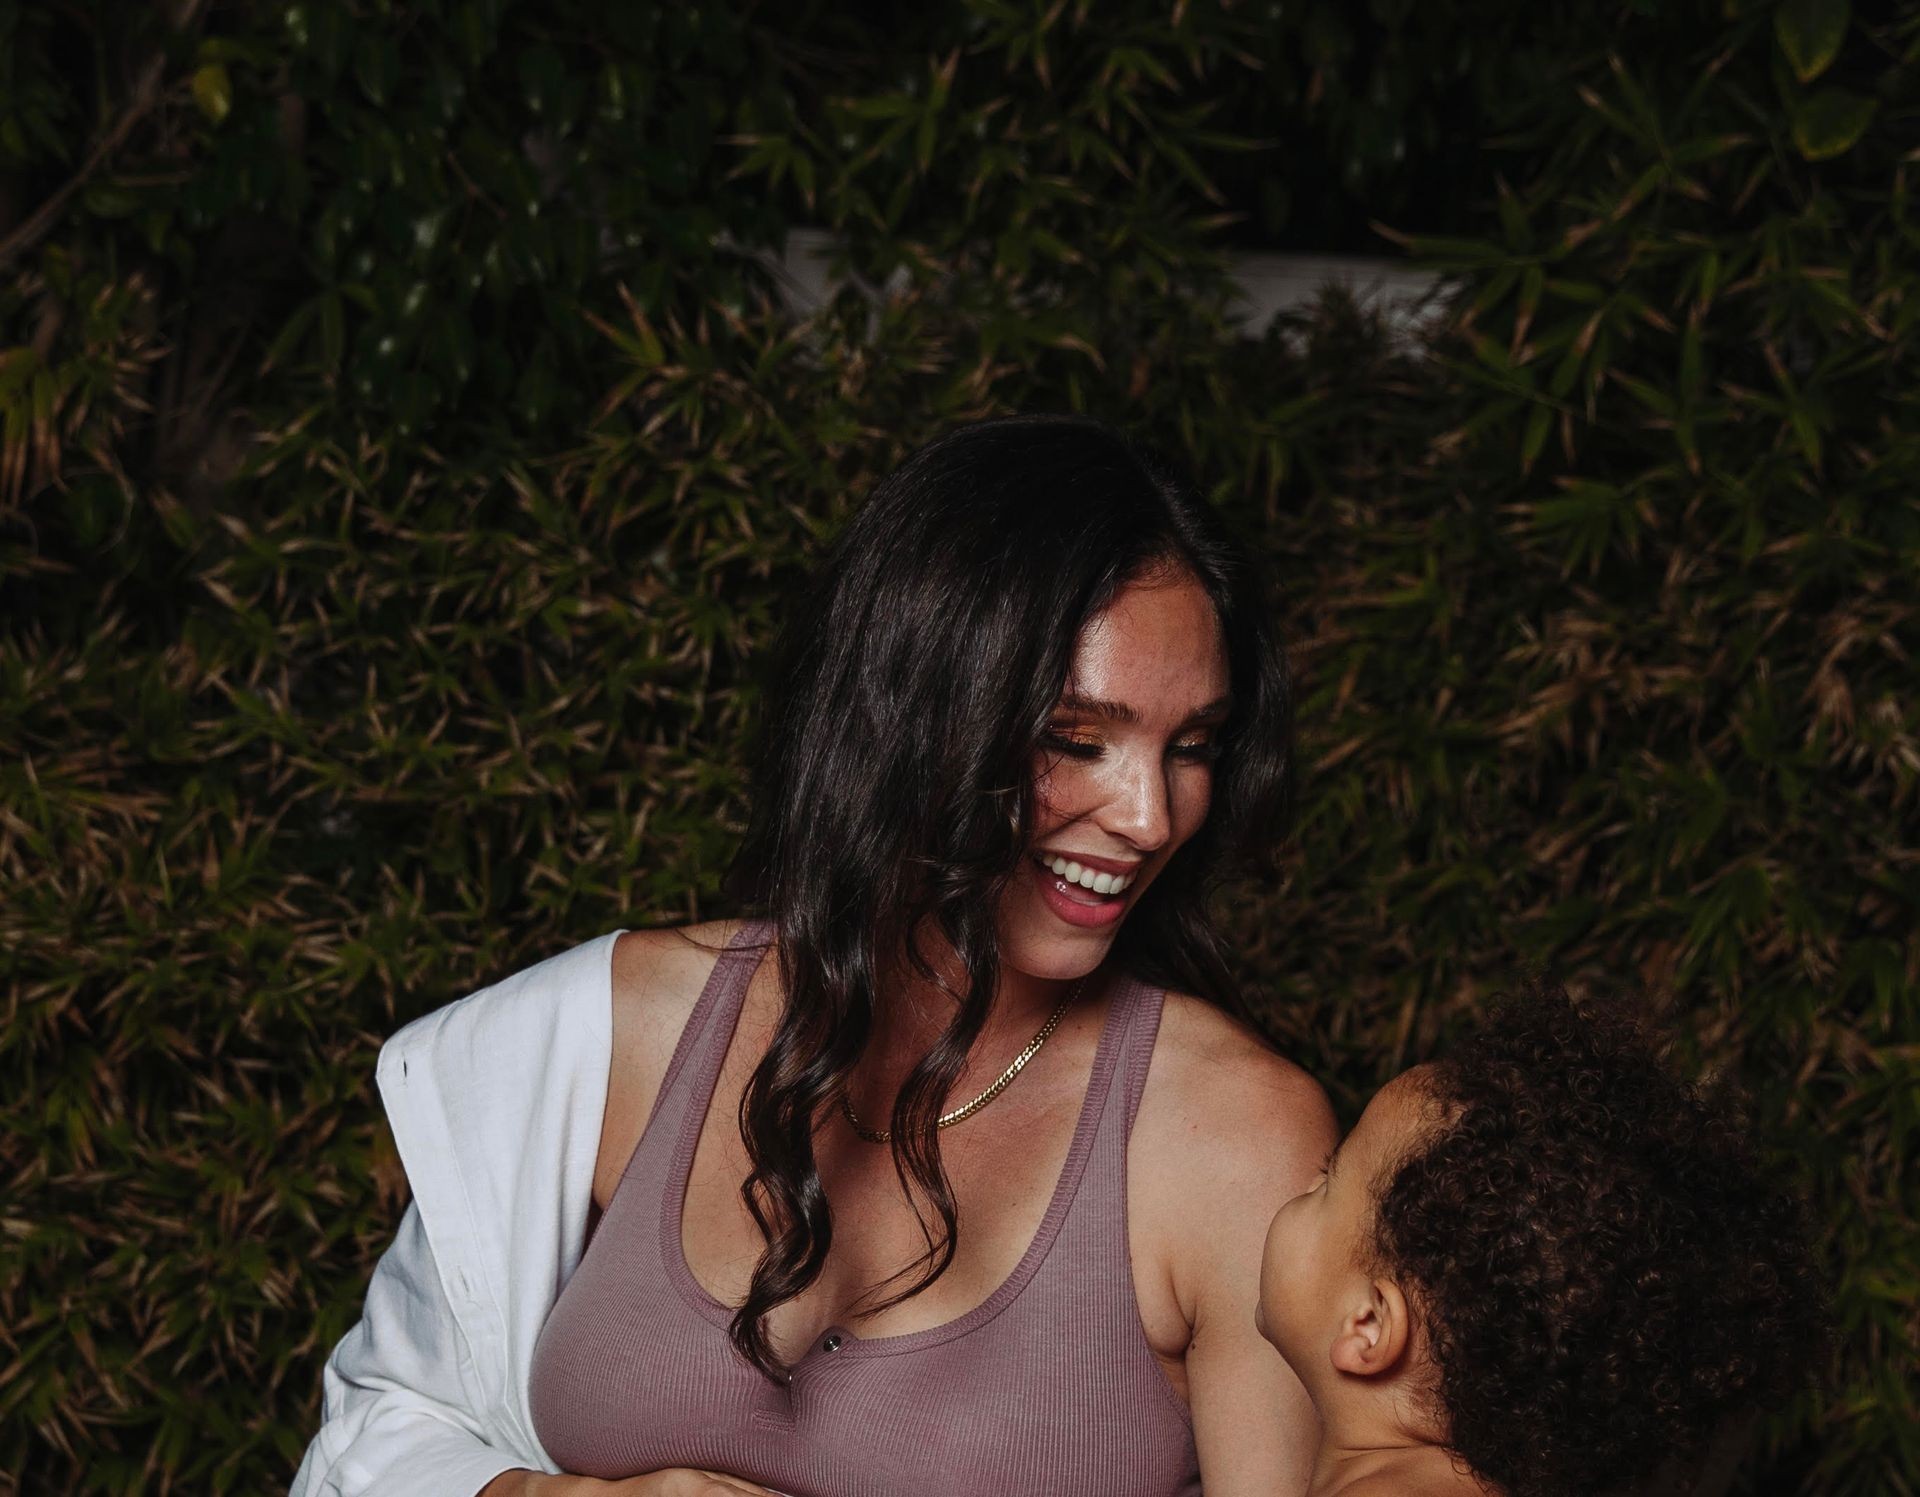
(496, 1103)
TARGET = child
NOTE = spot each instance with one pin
(1543, 1266)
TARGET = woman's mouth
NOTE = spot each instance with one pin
(1079, 895)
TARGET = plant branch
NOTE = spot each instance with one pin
(146, 93)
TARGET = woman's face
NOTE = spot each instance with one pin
(1124, 776)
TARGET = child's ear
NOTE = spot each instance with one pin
(1373, 1337)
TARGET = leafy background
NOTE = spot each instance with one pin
(404, 449)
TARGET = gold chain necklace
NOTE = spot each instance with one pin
(967, 1110)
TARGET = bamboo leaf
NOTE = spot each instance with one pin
(1810, 33)
(213, 91)
(1539, 423)
(1830, 121)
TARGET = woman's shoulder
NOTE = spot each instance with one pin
(659, 973)
(1228, 1129)
(1210, 1060)
(1216, 1082)
(658, 977)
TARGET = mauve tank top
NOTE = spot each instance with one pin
(1048, 1386)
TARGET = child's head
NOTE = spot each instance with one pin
(1562, 1255)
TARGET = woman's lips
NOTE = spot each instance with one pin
(1075, 905)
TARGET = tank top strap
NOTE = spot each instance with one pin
(1143, 1028)
(1099, 1230)
(709, 1026)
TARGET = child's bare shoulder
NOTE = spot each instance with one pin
(1406, 1486)
(1426, 1472)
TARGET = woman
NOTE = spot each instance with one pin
(951, 1175)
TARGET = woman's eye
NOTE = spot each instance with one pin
(1076, 748)
(1198, 750)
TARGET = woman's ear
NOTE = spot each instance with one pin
(1373, 1337)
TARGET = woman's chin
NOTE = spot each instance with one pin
(1039, 943)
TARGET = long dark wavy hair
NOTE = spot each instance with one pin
(893, 788)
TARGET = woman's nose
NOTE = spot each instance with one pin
(1139, 808)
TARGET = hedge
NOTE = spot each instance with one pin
(403, 456)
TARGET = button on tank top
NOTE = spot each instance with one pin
(1048, 1386)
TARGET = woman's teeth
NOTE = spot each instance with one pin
(1086, 878)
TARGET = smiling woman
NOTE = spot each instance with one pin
(1031, 709)
(1157, 644)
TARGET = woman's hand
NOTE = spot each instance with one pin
(679, 1481)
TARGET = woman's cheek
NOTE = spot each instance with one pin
(1058, 792)
(1193, 798)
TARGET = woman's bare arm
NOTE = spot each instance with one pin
(1227, 1131)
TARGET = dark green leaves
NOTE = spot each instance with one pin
(1829, 121)
(1810, 33)
(213, 91)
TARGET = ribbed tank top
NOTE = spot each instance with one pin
(1048, 1386)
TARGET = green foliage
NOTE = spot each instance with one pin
(403, 456)
(1811, 33)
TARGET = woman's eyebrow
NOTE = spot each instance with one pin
(1120, 712)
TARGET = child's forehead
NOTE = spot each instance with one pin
(1400, 1112)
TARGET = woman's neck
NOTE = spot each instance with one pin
(911, 1012)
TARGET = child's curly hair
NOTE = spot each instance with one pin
(1603, 1272)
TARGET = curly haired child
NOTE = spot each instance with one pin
(1543, 1265)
